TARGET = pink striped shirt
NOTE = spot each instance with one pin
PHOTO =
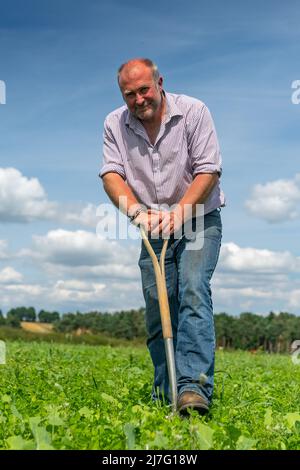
(159, 174)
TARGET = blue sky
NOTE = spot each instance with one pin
(59, 61)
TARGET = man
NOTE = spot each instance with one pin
(159, 149)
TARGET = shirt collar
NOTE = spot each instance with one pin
(172, 109)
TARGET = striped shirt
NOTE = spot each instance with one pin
(160, 174)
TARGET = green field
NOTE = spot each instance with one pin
(56, 396)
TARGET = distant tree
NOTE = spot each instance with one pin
(2, 319)
(139, 323)
(13, 320)
(48, 317)
(67, 323)
(225, 329)
(29, 314)
(273, 333)
(125, 324)
(16, 315)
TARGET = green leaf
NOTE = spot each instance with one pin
(160, 441)
(58, 386)
(204, 435)
(86, 412)
(109, 398)
(129, 431)
(35, 421)
(18, 443)
(291, 419)
(55, 420)
(16, 413)
(245, 443)
(53, 415)
(136, 409)
(41, 436)
(6, 399)
(233, 433)
(110, 383)
(268, 417)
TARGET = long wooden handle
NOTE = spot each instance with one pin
(159, 270)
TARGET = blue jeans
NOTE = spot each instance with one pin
(188, 274)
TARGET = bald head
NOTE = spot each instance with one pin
(137, 66)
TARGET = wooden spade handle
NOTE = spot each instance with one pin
(159, 270)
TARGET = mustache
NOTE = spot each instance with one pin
(140, 108)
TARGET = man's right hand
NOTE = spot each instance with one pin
(148, 220)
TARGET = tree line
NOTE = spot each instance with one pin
(272, 333)
(15, 315)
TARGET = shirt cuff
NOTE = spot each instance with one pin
(207, 169)
(112, 168)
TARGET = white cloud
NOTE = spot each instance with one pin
(72, 295)
(244, 292)
(62, 254)
(276, 201)
(251, 279)
(74, 290)
(83, 216)
(32, 290)
(294, 299)
(237, 259)
(86, 215)
(89, 255)
(14, 295)
(24, 200)
(74, 284)
(82, 272)
(117, 271)
(22, 294)
(79, 248)
(10, 275)
(268, 296)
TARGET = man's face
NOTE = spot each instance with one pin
(140, 92)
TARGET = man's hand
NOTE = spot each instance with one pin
(160, 223)
(142, 220)
(148, 220)
(168, 223)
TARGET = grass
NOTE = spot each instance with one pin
(58, 396)
(8, 333)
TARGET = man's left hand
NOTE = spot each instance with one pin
(170, 222)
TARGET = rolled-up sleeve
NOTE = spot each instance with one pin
(112, 159)
(203, 145)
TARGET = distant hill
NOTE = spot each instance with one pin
(36, 327)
